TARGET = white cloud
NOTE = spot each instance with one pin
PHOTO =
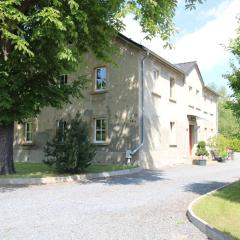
(204, 44)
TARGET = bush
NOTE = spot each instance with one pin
(222, 144)
(201, 149)
(70, 151)
(235, 145)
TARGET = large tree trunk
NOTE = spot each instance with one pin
(6, 149)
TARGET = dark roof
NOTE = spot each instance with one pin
(212, 91)
(187, 66)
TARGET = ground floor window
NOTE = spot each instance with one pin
(28, 134)
(173, 134)
(61, 127)
(100, 130)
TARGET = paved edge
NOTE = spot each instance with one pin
(211, 232)
(73, 178)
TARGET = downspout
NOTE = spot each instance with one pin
(131, 152)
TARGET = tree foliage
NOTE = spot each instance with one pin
(234, 76)
(70, 151)
(228, 124)
(40, 40)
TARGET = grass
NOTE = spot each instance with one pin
(39, 170)
(222, 210)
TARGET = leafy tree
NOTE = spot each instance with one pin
(228, 124)
(234, 76)
(41, 40)
(70, 151)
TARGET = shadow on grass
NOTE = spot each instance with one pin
(132, 179)
(230, 193)
(230, 235)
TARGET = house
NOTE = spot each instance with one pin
(142, 109)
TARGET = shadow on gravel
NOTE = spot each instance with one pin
(133, 179)
(203, 187)
(11, 188)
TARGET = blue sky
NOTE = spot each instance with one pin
(202, 33)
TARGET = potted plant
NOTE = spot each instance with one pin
(201, 152)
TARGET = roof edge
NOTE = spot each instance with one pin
(212, 91)
(152, 53)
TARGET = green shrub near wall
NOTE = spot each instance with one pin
(222, 144)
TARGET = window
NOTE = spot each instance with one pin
(100, 78)
(172, 134)
(197, 92)
(155, 74)
(100, 131)
(28, 132)
(63, 80)
(172, 84)
(61, 126)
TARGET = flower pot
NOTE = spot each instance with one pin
(200, 162)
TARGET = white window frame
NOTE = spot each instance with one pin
(101, 130)
(95, 79)
(63, 80)
(173, 134)
(61, 125)
(155, 74)
(28, 129)
(172, 87)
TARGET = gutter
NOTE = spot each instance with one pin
(131, 152)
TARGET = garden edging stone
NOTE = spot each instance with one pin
(211, 232)
(62, 179)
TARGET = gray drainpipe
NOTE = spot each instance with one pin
(131, 152)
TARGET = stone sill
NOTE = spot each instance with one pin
(99, 92)
(172, 100)
(101, 143)
(156, 94)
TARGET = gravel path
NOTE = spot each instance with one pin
(147, 206)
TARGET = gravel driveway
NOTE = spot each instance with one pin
(149, 205)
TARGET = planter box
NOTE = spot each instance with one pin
(200, 162)
(236, 156)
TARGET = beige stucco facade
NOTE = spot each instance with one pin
(169, 110)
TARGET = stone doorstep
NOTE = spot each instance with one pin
(211, 232)
(73, 178)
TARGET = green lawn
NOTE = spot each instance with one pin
(222, 210)
(38, 170)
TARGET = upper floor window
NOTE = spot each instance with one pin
(197, 92)
(100, 78)
(28, 134)
(63, 79)
(172, 86)
(155, 74)
(100, 131)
